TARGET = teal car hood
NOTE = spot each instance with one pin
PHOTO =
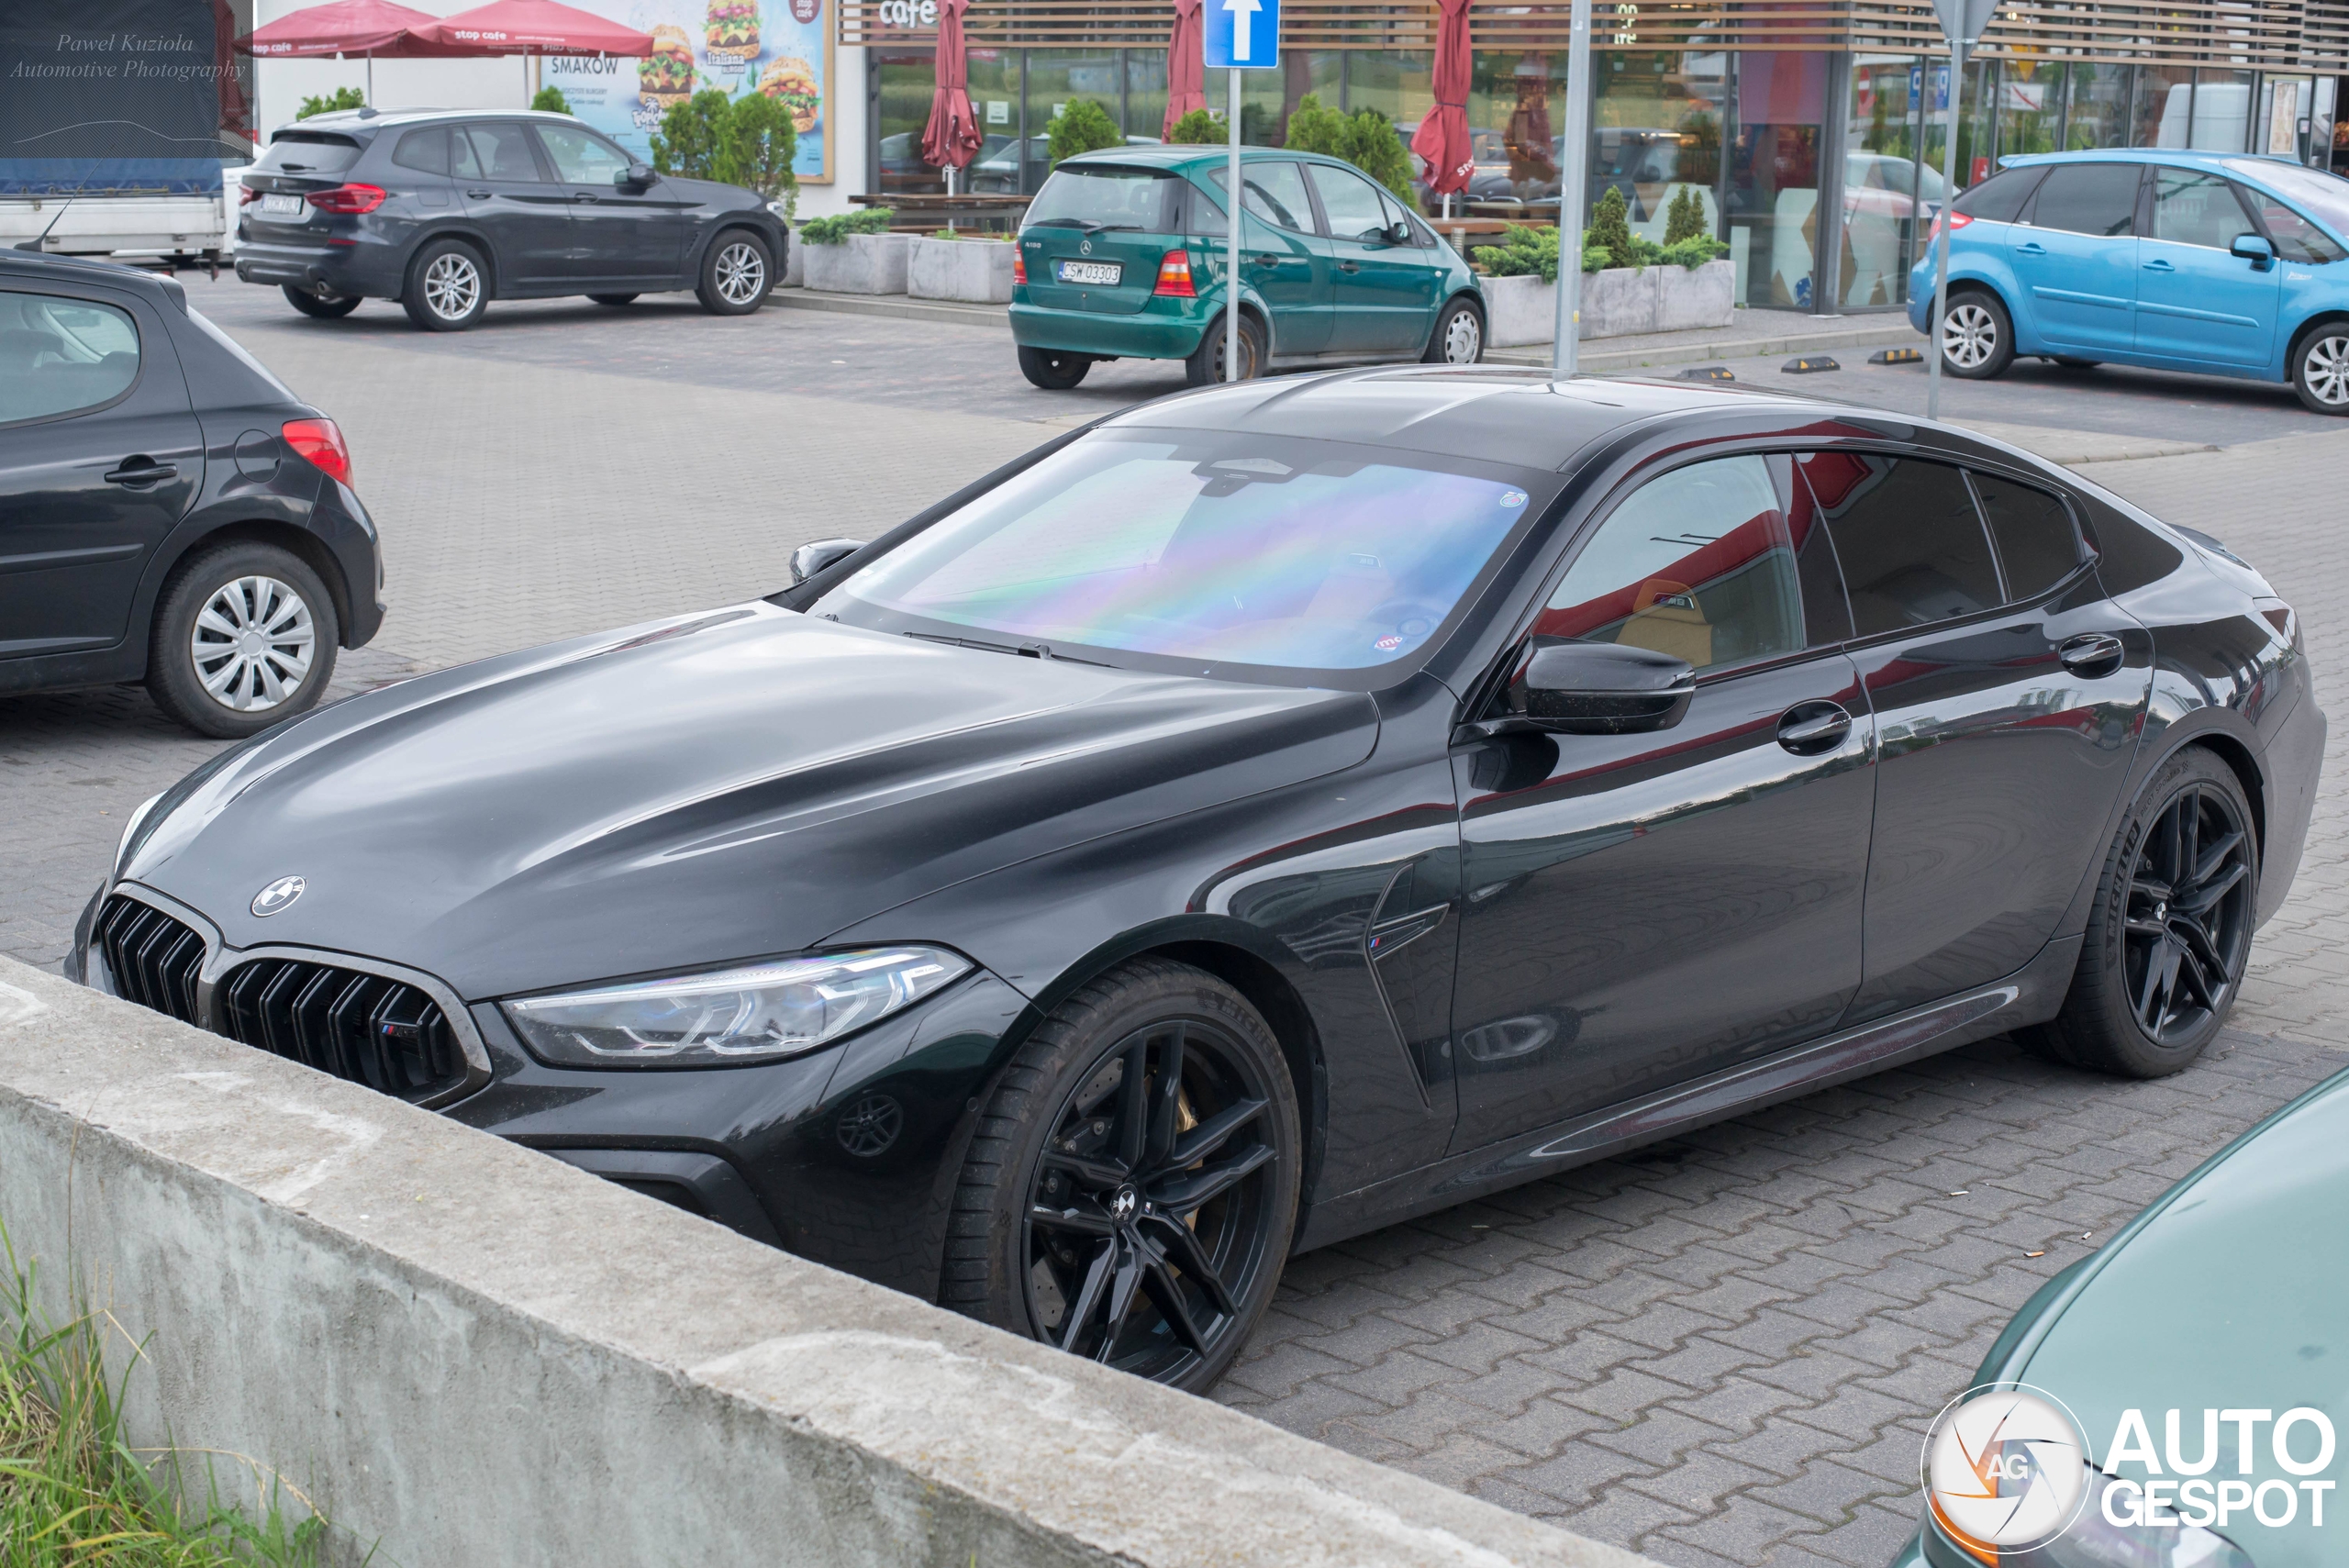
(2231, 1293)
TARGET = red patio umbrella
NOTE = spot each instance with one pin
(952, 137)
(341, 27)
(531, 27)
(1185, 66)
(1443, 136)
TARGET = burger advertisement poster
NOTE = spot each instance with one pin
(780, 48)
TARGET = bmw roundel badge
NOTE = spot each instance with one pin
(279, 894)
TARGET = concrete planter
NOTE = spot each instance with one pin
(977, 270)
(863, 263)
(1616, 303)
(794, 263)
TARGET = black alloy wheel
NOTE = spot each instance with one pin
(324, 306)
(1140, 1210)
(2167, 945)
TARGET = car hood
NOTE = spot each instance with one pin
(719, 787)
(2227, 1294)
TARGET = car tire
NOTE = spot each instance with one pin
(1458, 338)
(737, 274)
(2159, 972)
(1205, 365)
(2321, 367)
(613, 299)
(324, 306)
(1053, 369)
(1076, 1221)
(1977, 336)
(447, 287)
(233, 686)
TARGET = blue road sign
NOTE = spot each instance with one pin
(1243, 35)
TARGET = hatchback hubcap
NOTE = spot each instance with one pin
(741, 271)
(253, 643)
(1152, 1208)
(1462, 339)
(2188, 925)
(451, 287)
(2326, 366)
(1969, 336)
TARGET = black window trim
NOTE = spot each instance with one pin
(2082, 557)
(2140, 215)
(87, 296)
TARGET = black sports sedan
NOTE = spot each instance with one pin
(169, 510)
(1266, 815)
(446, 210)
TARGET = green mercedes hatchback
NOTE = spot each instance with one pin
(1123, 255)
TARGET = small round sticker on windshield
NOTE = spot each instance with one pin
(1388, 643)
(1512, 499)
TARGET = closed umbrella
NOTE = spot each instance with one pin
(367, 28)
(1185, 66)
(952, 138)
(528, 28)
(1443, 137)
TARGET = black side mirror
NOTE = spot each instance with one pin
(635, 177)
(1400, 234)
(1600, 688)
(811, 559)
(2255, 250)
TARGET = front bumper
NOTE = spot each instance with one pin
(1164, 328)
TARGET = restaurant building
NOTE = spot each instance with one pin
(1777, 113)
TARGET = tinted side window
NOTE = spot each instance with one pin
(2037, 547)
(503, 151)
(2194, 208)
(2128, 554)
(58, 355)
(1998, 198)
(2294, 236)
(1701, 563)
(2088, 198)
(1908, 538)
(1351, 202)
(425, 150)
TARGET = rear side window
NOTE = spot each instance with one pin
(2037, 546)
(59, 356)
(502, 153)
(2088, 198)
(307, 153)
(1908, 535)
(1997, 199)
(1096, 198)
(425, 150)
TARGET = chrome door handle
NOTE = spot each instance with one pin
(2094, 654)
(2159, 266)
(1809, 729)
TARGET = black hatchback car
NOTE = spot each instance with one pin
(1266, 815)
(445, 210)
(169, 510)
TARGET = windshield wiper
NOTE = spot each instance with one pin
(1032, 650)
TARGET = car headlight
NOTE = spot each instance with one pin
(123, 845)
(2112, 1532)
(758, 1013)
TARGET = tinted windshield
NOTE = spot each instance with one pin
(1210, 549)
(1113, 198)
(294, 152)
(2324, 197)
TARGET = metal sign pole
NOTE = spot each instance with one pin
(1573, 161)
(1231, 256)
(1941, 237)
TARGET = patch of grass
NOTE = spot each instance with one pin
(73, 1489)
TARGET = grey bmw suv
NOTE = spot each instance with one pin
(445, 210)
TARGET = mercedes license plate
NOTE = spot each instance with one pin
(1091, 272)
(282, 207)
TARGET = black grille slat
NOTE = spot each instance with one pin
(367, 1029)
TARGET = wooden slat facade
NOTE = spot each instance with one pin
(2273, 35)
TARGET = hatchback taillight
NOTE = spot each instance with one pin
(246, 195)
(1175, 276)
(1957, 220)
(321, 446)
(2279, 614)
(348, 198)
(1019, 265)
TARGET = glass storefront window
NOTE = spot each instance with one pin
(2221, 111)
(1515, 103)
(1974, 123)
(2098, 112)
(2031, 106)
(1656, 126)
(907, 81)
(1883, 219)
(1774, 175)
(2280, 129)
(1145, 92)
(2164, 106)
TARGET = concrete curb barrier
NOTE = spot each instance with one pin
(476, 1354)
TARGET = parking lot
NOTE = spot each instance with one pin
(1722, 1349)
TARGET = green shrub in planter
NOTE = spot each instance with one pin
(1611, 229)
(1199, 128)
(1520, 251)
(551, 101)
(1365, 139)
(1082, 125)
(836, 231)
(1685, 218)
(1695, 251)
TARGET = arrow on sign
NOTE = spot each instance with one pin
(1240, 10)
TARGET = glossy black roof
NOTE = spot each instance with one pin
(1494, 413)
(33, 266)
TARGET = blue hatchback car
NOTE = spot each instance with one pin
(2219, 263)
